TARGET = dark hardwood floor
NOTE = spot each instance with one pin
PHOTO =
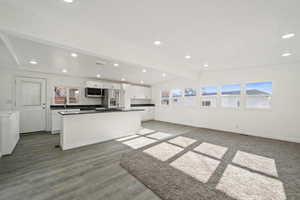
(38, 170)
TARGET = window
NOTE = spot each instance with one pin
(231, 96)
(60, 95)
(176, 93)
(74, 95)
(165, 97)
(189, 92)
(190, 97)
(177, 96)
(209, 97)
(258, 95)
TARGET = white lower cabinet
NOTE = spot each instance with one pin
(56, 125)
(147, 114)
(150, 113)
(9, 131)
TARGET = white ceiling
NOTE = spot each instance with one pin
(6, 59)
(17, 53)
(224, 34)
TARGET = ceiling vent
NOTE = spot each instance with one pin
(101, 62)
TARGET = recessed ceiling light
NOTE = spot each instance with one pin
(205, 65)
(69, 1)
(64, 70)
(33, 62)
(144, 70)
(288, 36)
(187, 57)
(164, 74)
(98, 76)
(123, 79)
(157, 42)
(74, 55)
(286, 54)
(142, 82)
(116, 64)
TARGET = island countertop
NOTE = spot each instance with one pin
(93, 126)
(97, 111)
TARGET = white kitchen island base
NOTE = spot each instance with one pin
(90, 128)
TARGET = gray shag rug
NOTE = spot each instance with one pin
(208, 164)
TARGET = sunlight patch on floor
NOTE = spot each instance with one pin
(145, 131)
(255, 162)
(139, 142)
(213, 150)
(163, 151)
(198, 166)
(242, 184)
(182, 141)
(159, 135)
(127, 137)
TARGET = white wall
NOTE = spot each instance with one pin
(7, 88)
(280, 122)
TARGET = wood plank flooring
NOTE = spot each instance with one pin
(39, 171)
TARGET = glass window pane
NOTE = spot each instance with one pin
(74, 94)
(260, 88)
(189, 92)
(258, 95)
(177, 93)
(258, 102)
(165, 93)
(231, 90)
(209, 101)
(230, 101)
(191, 101)
(60, 95)
(176, 101)
(208, 91)
(165, 102)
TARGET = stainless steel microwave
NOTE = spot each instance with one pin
(94, 92)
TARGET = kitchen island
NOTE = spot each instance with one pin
(82, 128)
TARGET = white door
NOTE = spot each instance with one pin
(31, 102)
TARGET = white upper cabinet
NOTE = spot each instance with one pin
(138, 92)
(148, 93)
(133, 91)
(107, 86)
(97, 84)
(94, 84)
(112, 86)
(116, 86)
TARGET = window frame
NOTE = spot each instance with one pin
(257, 108)
(240, 97)
(184, 94)
(163, 98)
(190, 101)
(181, 101)
(216, 96)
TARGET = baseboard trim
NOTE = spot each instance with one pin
(297, 141)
